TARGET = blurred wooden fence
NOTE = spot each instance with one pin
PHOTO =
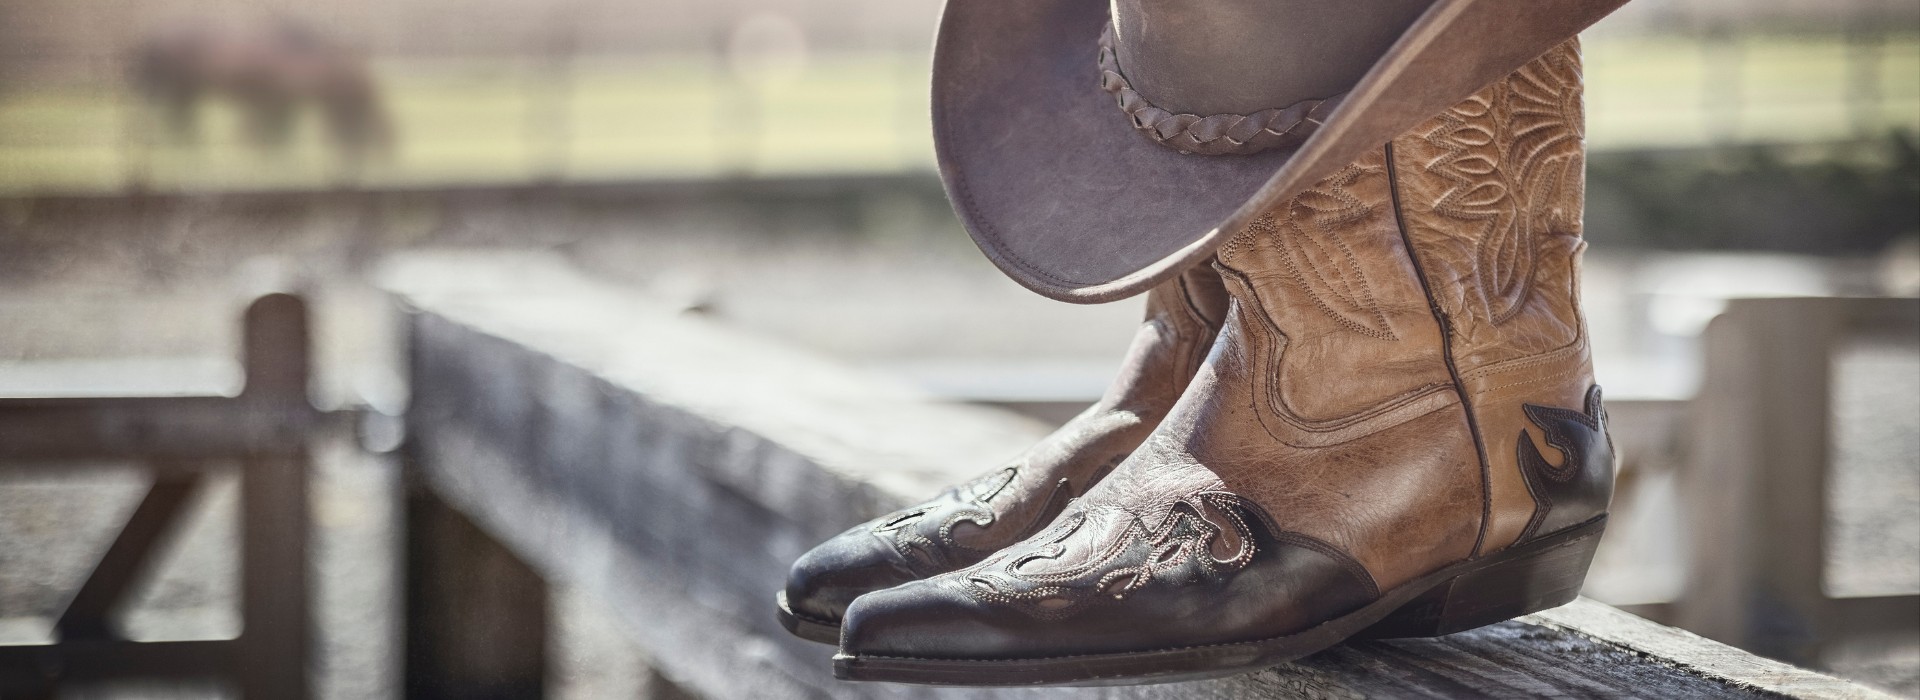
(179, 440)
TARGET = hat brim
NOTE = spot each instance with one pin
(1060, 192)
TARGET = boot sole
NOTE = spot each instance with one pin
(1538, 575)
(810, 629)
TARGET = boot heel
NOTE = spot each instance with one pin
(1542, 574)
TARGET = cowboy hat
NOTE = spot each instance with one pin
(1095, 150)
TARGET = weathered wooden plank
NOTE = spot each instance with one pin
(869, 435)
(597, 440)
(1694, 653)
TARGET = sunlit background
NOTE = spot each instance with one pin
(769, 164)
(506, 92)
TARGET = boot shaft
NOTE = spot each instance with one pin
(1491, 193)
(1441, 269)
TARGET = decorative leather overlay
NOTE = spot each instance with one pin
(1511, 187)
(962, 525)
(1319, 258)
(1585, 469)
(1203, 538)
(1212, 135)
(925, 535)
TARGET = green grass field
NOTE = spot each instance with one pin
(466, 123)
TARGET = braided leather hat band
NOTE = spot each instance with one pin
(1211, 135)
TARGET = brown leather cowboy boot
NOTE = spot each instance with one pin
(1397, 433)
(965, 524)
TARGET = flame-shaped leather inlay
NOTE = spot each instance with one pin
(928, 536)
(1586, 458)
(1055, 575)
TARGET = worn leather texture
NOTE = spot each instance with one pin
(1210, 572)
(1492, 193)
(966, 523)
(1061, 191)
(1384, 325)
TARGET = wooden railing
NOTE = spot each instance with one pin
(266, 429)
(1756, 478)
(564, 432)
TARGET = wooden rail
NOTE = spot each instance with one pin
(1757, 474)
(566, 432)
(267, 429)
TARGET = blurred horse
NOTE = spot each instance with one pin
(270, 70)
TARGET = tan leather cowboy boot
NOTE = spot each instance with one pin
(965, 524)
(1397, 433)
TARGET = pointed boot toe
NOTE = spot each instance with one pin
(1105, 596)
(827, 579)
(918, 618)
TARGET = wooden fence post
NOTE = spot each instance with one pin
(267, 428)
(476, 615)
(277, 352)
(1756, 488)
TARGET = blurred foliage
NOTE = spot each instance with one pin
(1853, 197)
(654, 116)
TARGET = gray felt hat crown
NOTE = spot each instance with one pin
(1095, 149)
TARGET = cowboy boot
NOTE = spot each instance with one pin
(966, 523)
(1395, 434)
